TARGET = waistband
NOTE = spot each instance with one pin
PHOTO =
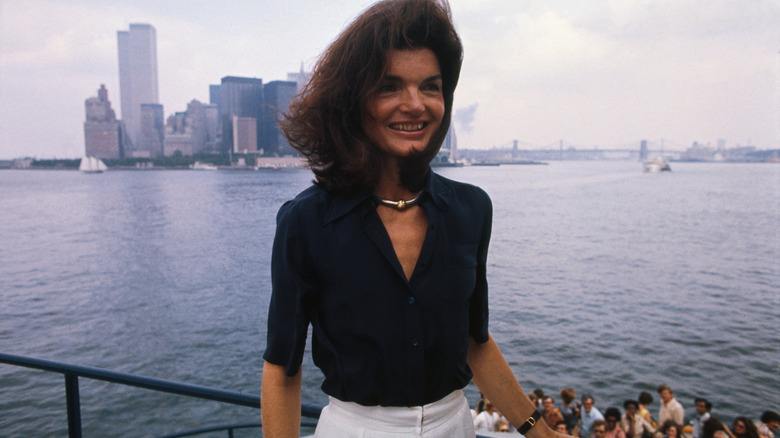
(399, 419)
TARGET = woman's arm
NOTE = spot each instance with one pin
(496, 381)
(280, 402)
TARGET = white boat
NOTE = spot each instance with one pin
(203, 166)
(92, 165)
(657, 164)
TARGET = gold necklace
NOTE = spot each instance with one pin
(400, 204)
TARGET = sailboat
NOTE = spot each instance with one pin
(92, 165)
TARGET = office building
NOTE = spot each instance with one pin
(152, 131)
(103, 133)
(137, 48)
(243, 98)
(244, 134)
(277, 97)
(186, 133)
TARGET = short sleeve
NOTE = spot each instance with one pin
(478, 311)
(294, 288)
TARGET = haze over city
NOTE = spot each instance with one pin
(601, 73)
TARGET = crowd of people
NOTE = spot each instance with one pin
(581, 419)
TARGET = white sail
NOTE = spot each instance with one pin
(92, 165)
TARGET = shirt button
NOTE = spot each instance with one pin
(411, 300)
(415, 343)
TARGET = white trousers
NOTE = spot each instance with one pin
(449, 417)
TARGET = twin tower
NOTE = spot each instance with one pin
(241, 115)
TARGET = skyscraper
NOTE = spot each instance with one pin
(103, 133)
(240, 97)
(137, 80)
(277, 97)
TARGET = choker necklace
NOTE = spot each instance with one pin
(400, 204)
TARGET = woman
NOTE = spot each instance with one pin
(670, 429)
(645, 398)
(743, 427)
(486, 420)
(713, 426)
(631, 423)
(612, 419)
(385, 259)
(569, 409)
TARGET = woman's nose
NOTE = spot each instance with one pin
(412, 102)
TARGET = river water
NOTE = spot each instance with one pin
(602, 278)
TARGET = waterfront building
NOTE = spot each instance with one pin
(103, 133)
(215, 98)
(137, 49)
(448, 153)
(244, 134)
(150, 141)
(243, 98)
(277, 97)
(186, 133)
(213, 133)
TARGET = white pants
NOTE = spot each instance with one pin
(449, 417)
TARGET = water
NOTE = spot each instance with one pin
(602, 278)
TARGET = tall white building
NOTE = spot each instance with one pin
(137, 78)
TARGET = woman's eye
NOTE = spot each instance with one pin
(386, 88)
(432, 87)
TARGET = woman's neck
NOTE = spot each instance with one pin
(389, 185)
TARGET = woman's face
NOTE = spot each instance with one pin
(408, 107)
(739, 428)
(561, 428)
(671, 432)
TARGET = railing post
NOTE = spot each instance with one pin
(74, 405)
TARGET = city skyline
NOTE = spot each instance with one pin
(599, 73)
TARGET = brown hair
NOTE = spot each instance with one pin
(662, 388)
(567, 395)
(325, 121)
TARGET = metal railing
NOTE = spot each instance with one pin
(310, 412)
(73, 372)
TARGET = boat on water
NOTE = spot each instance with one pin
(203, 166)
(92, 165)
(657, 164)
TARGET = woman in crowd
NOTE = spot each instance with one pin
(712, 426)
(743, 427)
(382, 257)
(670, 429)
(645, 398)
(631, 423)
(612, 421)
(569, 409)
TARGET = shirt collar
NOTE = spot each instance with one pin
(435, 187)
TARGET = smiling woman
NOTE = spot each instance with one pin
(383, 258)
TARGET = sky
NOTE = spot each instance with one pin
(594, 74)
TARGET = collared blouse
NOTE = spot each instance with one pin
(379, 338)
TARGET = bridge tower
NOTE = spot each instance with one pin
(643, 151)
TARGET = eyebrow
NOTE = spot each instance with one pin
(395, 78)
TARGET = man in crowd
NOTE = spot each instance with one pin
(703, 408)
(671, 409)
(550, 414)
(588, 415)
(770, 421)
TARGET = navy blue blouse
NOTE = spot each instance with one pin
(378, 338)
